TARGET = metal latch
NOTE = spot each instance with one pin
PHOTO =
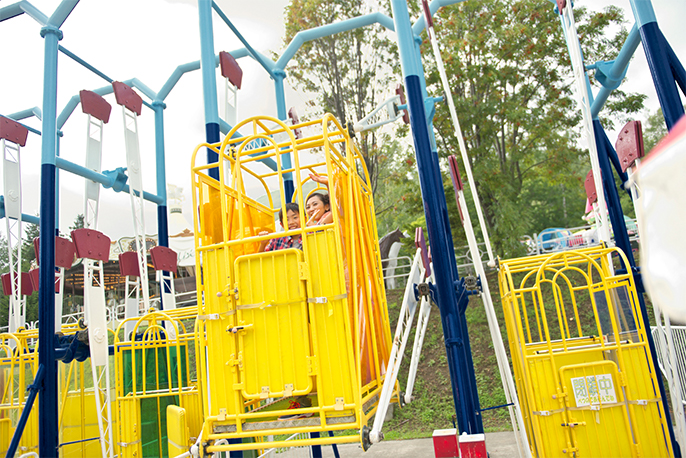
(470, 283)
(423, 289)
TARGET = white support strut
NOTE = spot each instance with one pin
(133, 163)
(402, 333)
(13, 225)
(458, 133)
(94, 304)
(93, 162)
(583, 92)
(422, 322)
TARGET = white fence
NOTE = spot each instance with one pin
(679, 335)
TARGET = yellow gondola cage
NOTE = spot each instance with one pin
(582, 365)
(294, 340)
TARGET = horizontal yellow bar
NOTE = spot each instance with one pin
(277, 444)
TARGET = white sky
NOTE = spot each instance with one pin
(148, 40)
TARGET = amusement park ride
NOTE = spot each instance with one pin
(297, 341)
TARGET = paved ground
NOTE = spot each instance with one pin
(499, 445)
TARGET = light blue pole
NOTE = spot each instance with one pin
(162, 225)
(209, 81)
(267, 64)
(612, 77)
(288, 186)
(301, 38)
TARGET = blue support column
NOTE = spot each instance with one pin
(605, 151)
(209, 81)
(279, 75)
(162, 226)
(436, 211)
(48, 396)
(660, 61)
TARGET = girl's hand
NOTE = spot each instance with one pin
(321, 179)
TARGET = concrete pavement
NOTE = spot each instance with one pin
(498, 445)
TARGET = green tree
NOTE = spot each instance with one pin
(510, 73)
(350, 72)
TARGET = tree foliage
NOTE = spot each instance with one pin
(512, 83)
(349, 73)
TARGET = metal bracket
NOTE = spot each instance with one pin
(340, 404)
(288, 390)
(264, 394)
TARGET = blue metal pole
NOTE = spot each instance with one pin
(34, 388)
(209, 81)
(438, 226)
(47, 406)
(616, 73)
(614, 208)
(656, 50)
(162, 224)
(288, 186)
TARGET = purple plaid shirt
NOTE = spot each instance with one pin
(284, 242)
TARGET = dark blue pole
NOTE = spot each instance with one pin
(33, 391)
(661, 61)
(614, 207)
(438, 227)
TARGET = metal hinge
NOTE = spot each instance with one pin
(312, 368)
(303, 271)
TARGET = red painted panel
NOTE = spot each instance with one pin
(34, 274)
(457, 182)
(629, 144)
(400, 91)
(64, 251)
(230, 69)
(445, 443)
(13, 131)
(6, 284)
(128, 264)
(164, 258)
(473, 446)
(95, 105)
(26, 285)
(127, 97)
(91, 244)
(589, 186)
(420, 242)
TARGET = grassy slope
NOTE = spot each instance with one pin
(433, 406)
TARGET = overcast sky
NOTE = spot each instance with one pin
(148, 40)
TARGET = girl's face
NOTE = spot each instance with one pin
(293, 219)
(315, 206)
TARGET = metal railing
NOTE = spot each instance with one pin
(679, 335)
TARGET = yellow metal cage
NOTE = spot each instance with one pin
(295, 340)
(18, 366)
(581, 359)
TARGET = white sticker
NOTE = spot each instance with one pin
(592, 389)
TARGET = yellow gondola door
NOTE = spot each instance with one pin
(272, 324)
